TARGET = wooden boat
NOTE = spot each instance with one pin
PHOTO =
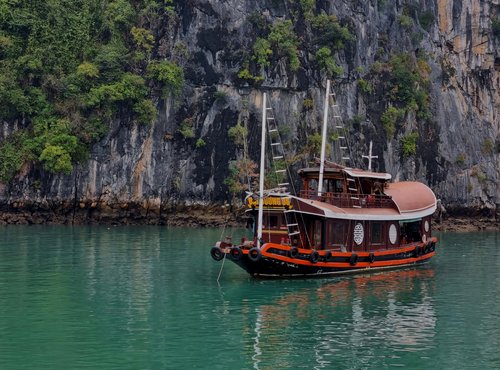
(344, 220)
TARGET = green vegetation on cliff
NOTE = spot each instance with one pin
(69, 67)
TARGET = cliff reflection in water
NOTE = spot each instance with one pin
(375, 315)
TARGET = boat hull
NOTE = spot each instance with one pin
(276, 260)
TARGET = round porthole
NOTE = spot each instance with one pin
(393, 234)
(426, 226)
(359, 234)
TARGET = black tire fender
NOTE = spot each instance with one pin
(371, 258)
(417, 251)
(353, 260)
(328, 255)
(217, 253)
(294, 252)
(314, 256)
(254, 254)
(236, 253)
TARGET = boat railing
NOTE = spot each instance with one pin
(344, 200)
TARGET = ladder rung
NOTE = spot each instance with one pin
(346, 158)
(275, 144)
(341, 137)
(278, 157)
(352, 180)
(280, 171)
(273, 130)
(336, 116)
(269, 108)
(270, 118)
(355, 198)
(292, 225)
(294, 233)
(343, 147)
(353, 189)
(284, 184)
(353, 206)
(339, 126)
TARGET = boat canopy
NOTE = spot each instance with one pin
(353, 172)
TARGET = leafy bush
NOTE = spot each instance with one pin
(409, 144)
(426, 19)
(365, 86)
(330, 33)
(169, 74)
(308, 104)
(285, 42)
(12, 157)
(488, 147)
(56, 159)
(327, 63)
(238, 134)
(389, 119)
(262, 51)
(405, 21)
(200, 143)
(186, 128)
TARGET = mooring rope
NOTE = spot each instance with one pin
(221, 267)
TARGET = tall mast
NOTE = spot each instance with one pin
(261, 175)
(323, 138)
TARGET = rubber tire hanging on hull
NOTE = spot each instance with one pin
(294, 252)
(217, 253)
(254, 254)
(236, 253)
(371, 258)
(353, 260)
(314, 257)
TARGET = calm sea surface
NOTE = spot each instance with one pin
(148, 298)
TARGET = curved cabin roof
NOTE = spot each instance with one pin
(411, 196)
(412, 199)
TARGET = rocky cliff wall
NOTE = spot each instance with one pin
(144, 173)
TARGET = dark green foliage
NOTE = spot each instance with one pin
(409, 144)
(326, 62)
(426, 19)
(389, 119)
(495, 27)
(365, 86)
(410, 83)
(68, 67)
(168, 74)
(12, 156)
(330, 32)
(285, 42)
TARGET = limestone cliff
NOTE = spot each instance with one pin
(142, 173)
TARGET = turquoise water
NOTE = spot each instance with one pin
(147, 298)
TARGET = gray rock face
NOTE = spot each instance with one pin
(145, 172)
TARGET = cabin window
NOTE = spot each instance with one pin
(376, 233)
(317, 234)
(273, 221)
(336, 233)
(339, 186)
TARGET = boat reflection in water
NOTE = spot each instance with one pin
(375, 319)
